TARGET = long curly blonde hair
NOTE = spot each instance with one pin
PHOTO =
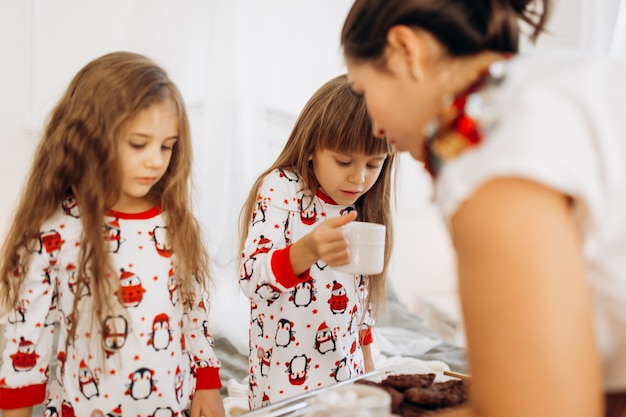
(78, 154)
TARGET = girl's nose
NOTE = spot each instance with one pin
(357, 176)
(155, 158)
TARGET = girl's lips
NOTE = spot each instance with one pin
(351, 193)
(146, 180)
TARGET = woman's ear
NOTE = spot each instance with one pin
(406, 48)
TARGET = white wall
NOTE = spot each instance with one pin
(15, 100)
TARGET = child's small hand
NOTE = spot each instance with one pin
(207, 403)
(328, 241)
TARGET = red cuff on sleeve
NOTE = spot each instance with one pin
(22, 397)
(366, 337)
(281, 267)
(208, 378)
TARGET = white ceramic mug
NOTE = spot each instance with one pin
(366, 243)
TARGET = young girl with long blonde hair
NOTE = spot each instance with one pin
(311, 326)
(104, 247)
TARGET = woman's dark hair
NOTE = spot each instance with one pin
(464, 27)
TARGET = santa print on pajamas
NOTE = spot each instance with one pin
(155, 352)
(306, 331)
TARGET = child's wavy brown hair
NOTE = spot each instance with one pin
(78, 154)
(335, 118)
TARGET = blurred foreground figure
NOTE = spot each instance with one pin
(528, 154)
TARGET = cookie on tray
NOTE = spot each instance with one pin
(441, 394)
(405, 381)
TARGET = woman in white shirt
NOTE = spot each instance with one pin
(529, 158)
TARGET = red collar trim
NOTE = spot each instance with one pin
(148, 214)
(325, 198)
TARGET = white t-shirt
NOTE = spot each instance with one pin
(562, 123)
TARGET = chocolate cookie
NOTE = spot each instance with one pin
(441, 394)
(405, 381)
(417, 395)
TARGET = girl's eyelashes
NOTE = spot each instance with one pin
(167, 146)
(371, 165)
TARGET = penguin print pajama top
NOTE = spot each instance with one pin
(149, 358)
(306, 331)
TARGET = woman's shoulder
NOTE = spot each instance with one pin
(564, 94)
(547, 112)
(564, 70)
